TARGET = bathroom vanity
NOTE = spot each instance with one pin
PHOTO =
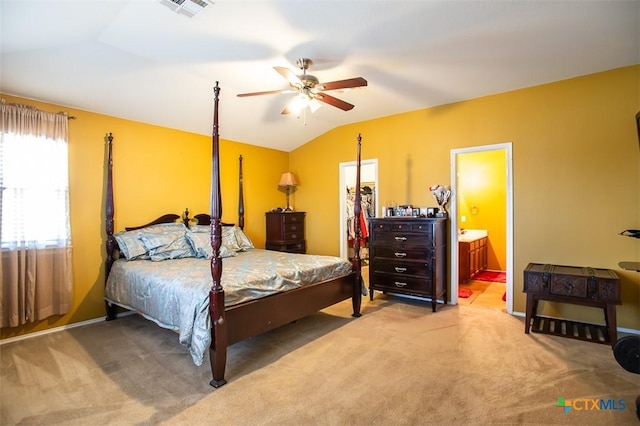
(472, 253)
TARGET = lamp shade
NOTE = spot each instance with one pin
(288, 179)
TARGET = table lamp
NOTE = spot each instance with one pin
(288, 184)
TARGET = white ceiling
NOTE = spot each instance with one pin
(136, 59)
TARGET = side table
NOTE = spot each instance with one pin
(576, 285)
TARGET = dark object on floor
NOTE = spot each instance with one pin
(627, 353)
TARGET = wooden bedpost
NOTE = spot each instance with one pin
(218, 347)
(240, 197)
(357, 263)
(109, 210)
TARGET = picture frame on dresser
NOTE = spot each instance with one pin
(432, 211)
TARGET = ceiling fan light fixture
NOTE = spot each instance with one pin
(298, 103)
(314, 105)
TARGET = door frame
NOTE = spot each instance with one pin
(364, 169)
(453, 220)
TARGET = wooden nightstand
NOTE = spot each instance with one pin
(285, 232)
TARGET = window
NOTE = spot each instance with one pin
(35, 237)
(35, 188)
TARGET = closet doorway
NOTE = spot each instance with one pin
(369, 187)
(459, 211)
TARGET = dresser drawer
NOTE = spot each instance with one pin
(395, 238)
(420, 269)
(294, 235)
(291, 247)
(400, 283)
(403, 225)
(292, 218)
(399, 253)
(293, 226)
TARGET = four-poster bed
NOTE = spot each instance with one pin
(225, 317)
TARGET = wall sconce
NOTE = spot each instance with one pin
(288, 184)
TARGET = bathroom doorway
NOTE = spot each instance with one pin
(463, 211)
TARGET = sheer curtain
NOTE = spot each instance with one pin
(35, 236)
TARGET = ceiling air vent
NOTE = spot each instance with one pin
(188, 8)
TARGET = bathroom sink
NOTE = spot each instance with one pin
(472, 235)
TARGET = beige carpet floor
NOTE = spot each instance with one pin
(399, 364)
(484, 294)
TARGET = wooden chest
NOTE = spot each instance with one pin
(577, 282)
(576, 285)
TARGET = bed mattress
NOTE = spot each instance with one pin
(175, 293)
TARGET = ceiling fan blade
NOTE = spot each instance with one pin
(293, 79)
(269, 92)
(338, 103)
(343, 84)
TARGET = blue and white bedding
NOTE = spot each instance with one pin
(175, 293)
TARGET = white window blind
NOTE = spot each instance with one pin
(35, 192)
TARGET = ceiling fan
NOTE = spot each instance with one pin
(310, 90)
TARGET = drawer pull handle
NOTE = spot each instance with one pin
(401, 238)
(398, 269)
(294, 236)
(293, 228)
(399, 284)
(400, 254)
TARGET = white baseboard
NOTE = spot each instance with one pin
(97, 320)
(56, 329)
(620, 329)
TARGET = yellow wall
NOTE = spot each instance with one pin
(156, 170)
(576, 167)
(482, 200)
(575, 164)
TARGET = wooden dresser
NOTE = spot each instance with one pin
(285, 232)
(408, 256)
(577, 285)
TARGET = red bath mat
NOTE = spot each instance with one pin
(492, 276)
(464, 293)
